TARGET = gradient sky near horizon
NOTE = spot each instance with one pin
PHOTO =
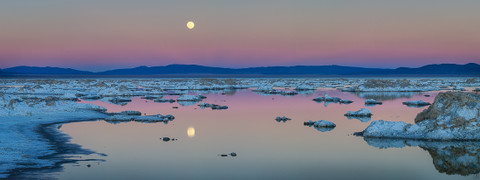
(106, 34)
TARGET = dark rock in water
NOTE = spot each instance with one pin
(166, 139)
(224, 155)
(282, 119)
(233, 154)
(217, 107)
(88, 165)
(164, 100)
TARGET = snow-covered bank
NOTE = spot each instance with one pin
(452, 116)
(20, 145)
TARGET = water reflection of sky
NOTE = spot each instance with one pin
(266, 149)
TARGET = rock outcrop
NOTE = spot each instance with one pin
(452, 116)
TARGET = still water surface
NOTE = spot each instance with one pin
(266, 149)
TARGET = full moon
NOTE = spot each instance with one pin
(190, 25)
(191, 132)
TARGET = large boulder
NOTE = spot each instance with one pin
(452, 116)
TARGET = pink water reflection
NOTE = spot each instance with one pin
(266, 148)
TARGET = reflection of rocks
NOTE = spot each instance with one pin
(362, 119)
(382, 96)
(457, 157)
(452, 116)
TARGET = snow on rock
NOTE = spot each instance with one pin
(320, 123)
(129, 116)
(188, 97)
(372, 102)
(452, 116)
(327, 98)
(416, 103)
(364, 112)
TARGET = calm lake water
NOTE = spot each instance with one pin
(266, 149)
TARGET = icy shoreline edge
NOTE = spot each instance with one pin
(62, 146)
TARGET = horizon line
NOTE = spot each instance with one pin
(73, 68)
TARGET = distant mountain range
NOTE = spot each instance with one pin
(470, 69)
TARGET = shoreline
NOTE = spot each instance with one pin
(62, 147)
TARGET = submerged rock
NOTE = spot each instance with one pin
(364, 112)
(452, 116)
